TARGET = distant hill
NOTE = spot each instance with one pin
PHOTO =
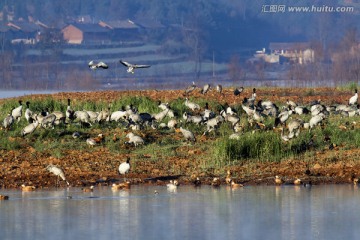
(199, 40)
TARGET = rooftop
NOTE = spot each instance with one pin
(289, 46)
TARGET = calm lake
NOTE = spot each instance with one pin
(254, 212)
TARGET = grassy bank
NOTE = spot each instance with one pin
(165, 150)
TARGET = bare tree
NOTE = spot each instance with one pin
(79, 80)
(194, 34)
(193, 41)
(2, 41)
(260, 69)
(346, 60)
(302, 74)
(26, 74)
(236, 72)
(6, 61)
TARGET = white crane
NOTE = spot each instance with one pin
(172, 186)
(233, 119)
(28, 113)
(172, 123)
(193, 106)
(197, 119)
(60, 117)
(124, 167)
(118, 115)
(161, 115)
(188, 135)
(268, 108)
(316, 109)
(29, 128)
(284, 137)
(265, 105)
(207, 113)
(315, 120)
(48, 121)
(94, 66)
(17, 112)
(93, 116)
(290, 103)
(283, 117)
(253, 96)
(213, 124)
(301, 110)
(104, 115)
(69, 111)
(135, 139)
(353, 100)
(131, 67)
(294, 127)
(83, 117)
(8, 121)
(58, 172)
(205, 88)
(190, 88)
(91, 142)
(163, 106)
(248, 110)
(219, 88)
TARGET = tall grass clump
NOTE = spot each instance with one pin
(91, 106)
(144, 104)
(350, 138)
(178, 106)
(310, 92)
(350, 86)
(262, 147)
(7, 144)
(6, 108)
(265, 146)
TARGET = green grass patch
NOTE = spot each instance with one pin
(253, 146)
(349, 86)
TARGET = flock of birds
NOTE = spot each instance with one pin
(130, 67)
(123, 169)
(255, 111)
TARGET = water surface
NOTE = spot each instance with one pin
(256, 212)
(19, 93)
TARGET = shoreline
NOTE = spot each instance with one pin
(318, 174)
(308, 182)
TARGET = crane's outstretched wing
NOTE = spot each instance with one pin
(92, 65)
(102, 65)
(126, 63)
(141, 66)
